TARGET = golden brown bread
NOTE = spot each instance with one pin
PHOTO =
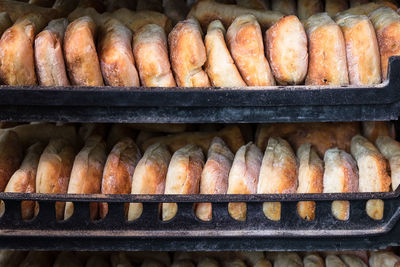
(149, 176)
(17, 9)
(188, 54)
(80, 53)
(390, 149)
(10, 156)
(115, 54)
(287, 7)
(311, 171)
(54, 170)
(340, 176)
(243, 177)
(86, 173)
(150, 49)
(118, 171)
(384, 259)
(287, 51)
(5, 22)
(322, 136)
(245, 42)
(215, 175)
(332, 7)
(373, 129)
(307, 8)
(327, 52)
(352, 260)
(362, 49)
(278, 174)
(207, 10)
(16, 50)
(24, 179)
(387, 26)
(230, 134)
(219, 66)
(253, 4)
(183, 176)
(67, 259)
(49, 58)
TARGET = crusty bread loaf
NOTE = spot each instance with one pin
(334, 261)
(287, 51)
(263, 263)
(10, 156)
(253, 4)
(340, 176)
(352, 260)
(311, 171)
(332, 7)
(54, 171)
(188, 54)
(183, 176)
(149, 176)
(67, 259)
(278, 175)
(49, 58)
(5, 22)
(373, 129)
(24, 179)
(243, 177)
(362, 49)
(80, 53)
(313, 260)
(115, 54)
(215, 175)
(307, 8)
(87, 173)
(287, 7)
(387, 26)
(86, 12)
(150, 49)
(207, 11)
(327, 52)
(219, 66)
(245, 42)
(118, 171)
(390, 149)
(384, 259)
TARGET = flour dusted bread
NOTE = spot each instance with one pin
(207, 11)
(340, 176)
(390, 149)
(313, 260)
(215, 175)
(362, 49)
(278, 175)
(245, 42)
(10, 156)
(327, 52)
(332, 7)
(372, 173)
(49, 58)
(287, 51)
(387, 26)
(16, 50)
(352, 260)
(118, 170)
(24, 179)
(286, 259)
(383, 259)
(310, 179)
(183, 176)
(149, 176)
(87, 173)
(287, 7)
(150, 49)
(115, 54)
(188, 54)
(219, 66)
(243, 177)
(80, 53)
(373, 129)
(307, 8)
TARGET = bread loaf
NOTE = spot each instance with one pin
(362, 49)
(287, 259)
(390, 149)
(245, 42)
(287, 51)
(49, 58)
(311, 171)
(151, 54)
(313, 260)
(278, 175)
(352, 260)
(115, 54)
(10, 156)
(334, 261)
(373, 129)
(327, 52)
(183, 176)
(307, 8)
(243, 177)
(215, 175)
(287, 7)
(149, 176)
(384, 259)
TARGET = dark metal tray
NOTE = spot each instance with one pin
(160, 105)
(186, 232)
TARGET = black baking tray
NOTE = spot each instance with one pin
(186, 232)
(201, 105)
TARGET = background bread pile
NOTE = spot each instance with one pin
(200, 159)
(177, 43)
